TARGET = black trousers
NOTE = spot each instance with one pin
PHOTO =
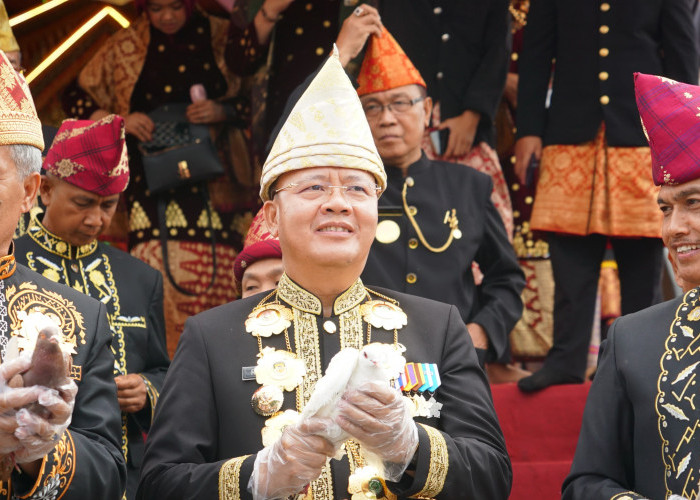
(576, 268)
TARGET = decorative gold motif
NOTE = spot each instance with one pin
(275, 425)
(53, 244)
(203, 220)
(229, 479)
(677, 410)
(439, 464)
(297, 297)
(65, 167)
(138, 220)
(174, 216)
(268, 319)
(152, 393)
(450, 219)
(267, 400)
(280, 368)
(381, 314)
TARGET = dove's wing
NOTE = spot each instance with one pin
(333, 383)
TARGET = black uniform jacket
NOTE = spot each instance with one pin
(87, 461)
(460, 48)
(640, 427)
(447, 276)
(132, 292)
(598, 46)
(204, 417)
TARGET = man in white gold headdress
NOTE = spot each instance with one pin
(320, 185)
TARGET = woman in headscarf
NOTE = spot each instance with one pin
(169, 54)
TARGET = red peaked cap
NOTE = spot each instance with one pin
(91, 155)
(259, 244)
(670, 113)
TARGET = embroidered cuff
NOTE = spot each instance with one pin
(229, 479)
(439, 464)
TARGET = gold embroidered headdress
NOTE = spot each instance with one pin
(8, 42)
(326, 128)
(19, 123)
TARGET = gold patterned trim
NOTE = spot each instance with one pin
(55, 245)
(229, 479)
(439, 464)
(297, 297)
(350, 298)
(8, 263)
(625, 495)
(57, 470)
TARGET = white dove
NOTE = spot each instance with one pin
(348, 370)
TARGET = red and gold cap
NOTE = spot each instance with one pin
(91, 155)
(670, 113)
(19, 123)
(259, 244)
(386, 66)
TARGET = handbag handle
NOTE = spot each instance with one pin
(164, 242)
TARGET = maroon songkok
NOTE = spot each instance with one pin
(670, 113)
(91, 155)
(259, 244)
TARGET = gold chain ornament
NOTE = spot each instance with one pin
(450, 218)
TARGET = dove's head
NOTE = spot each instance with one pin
(383, 356)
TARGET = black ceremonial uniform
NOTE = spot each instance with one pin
(206, 405)
(461, 50)
(86, 462)
(408, 266)
(640, 436)
(598, 46)
(132, 291)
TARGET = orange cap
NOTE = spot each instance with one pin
(386, 66)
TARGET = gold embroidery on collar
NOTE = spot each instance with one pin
(297, 297)
(8, 264)
(302, 299)
(439, 464)
(55, 245)
(229, 479)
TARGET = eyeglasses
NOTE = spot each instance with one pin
(357, 192)
(374, 109)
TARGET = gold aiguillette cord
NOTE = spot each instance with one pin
(450, 217)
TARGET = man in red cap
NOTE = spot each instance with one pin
(640, 435)
(435, 217)
(86, 170)
(258, 267)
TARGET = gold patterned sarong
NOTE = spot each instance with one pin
(594, 188)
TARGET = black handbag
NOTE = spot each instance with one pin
(180, 153)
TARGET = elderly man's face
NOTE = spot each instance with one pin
(74, 214)
(16, 197)
(397, 133)
(321, 226)
(681, 229)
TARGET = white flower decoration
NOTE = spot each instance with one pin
(275, 425)
(32, 323)
(280, 368)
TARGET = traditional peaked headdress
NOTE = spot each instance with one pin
(386, 66)
(670, 113)
(91, 155)
(19, 123)
(326, 128)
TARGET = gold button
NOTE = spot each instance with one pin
(207, 66)
(299, 31)
(514, 56)
(528, 200)
(309, 6)
(412, 210)
(139, 234)
(161, 48)
(200, 30)
(605, 7)
(290, 57)
(410, 182)
(604, 29)
(191, 46)
(173, 232)
(181, 68)
(603, 52)
(156, 232)
(604, 100)
(516, 213)
(74, 267)
(603, 75)
(190, 232)
(411, 278)
(512, 160)
(515, 186)
(326, 24)
(319, 51)
(168, 89)
(413, 243)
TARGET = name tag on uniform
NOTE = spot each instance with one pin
(248, 373)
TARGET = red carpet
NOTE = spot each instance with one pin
(541, 432)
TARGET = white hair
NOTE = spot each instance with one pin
(27, 159)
